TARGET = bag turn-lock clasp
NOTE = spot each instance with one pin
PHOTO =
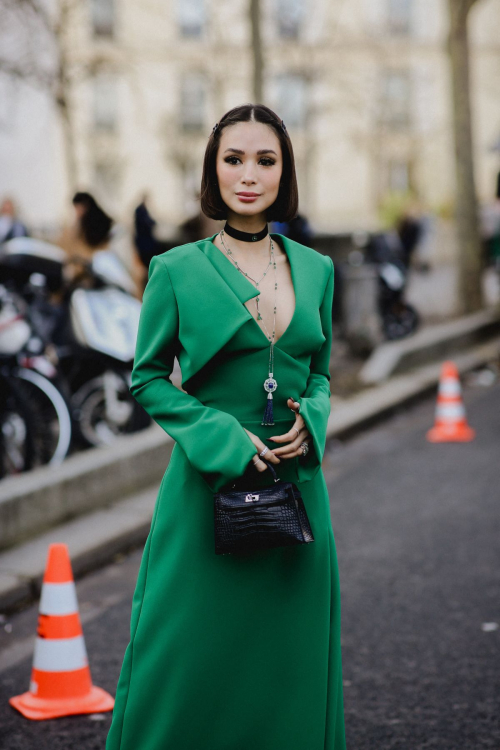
(251, 498)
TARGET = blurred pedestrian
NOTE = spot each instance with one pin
(297, 229)
(10, 225)
(93, 231)
(90, 229)
(409, 229)
(145, 241)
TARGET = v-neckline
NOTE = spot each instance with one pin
(293, 272)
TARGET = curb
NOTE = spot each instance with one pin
(95, 538)
(93, 541)
(378, 402)
(436, 342)
(38, 500)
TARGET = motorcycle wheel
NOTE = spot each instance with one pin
(17, 451)
(50, 418)
(103, 409)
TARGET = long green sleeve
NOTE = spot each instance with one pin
(214, 441)
(315, 405)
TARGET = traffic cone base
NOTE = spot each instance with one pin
(95, 701)
(451, 434)
(450, 424)
(60, 679)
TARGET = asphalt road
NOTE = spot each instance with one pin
(417, 530)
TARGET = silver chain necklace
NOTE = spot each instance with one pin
(270, 384)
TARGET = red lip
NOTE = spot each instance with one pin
(249, 195)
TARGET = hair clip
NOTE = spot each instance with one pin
(283, 126)
(214, 129)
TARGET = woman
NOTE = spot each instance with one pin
(236, 652)
(91, 232)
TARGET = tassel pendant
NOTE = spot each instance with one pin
(270, 386)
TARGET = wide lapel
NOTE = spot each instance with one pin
(210, 310)
(239, 286)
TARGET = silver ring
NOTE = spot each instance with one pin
(256, 457)
(305, 449)
(263, 453)
(296, 430)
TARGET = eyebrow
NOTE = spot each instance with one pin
(262, 151)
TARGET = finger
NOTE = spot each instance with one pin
(259, 447)
(292, 432)
(260, 465)
(269, 455)
(284, 451)
(297, 452)
(293, 405)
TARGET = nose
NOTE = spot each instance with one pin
(249, 174)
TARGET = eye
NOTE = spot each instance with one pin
(267, 162)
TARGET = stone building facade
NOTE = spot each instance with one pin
(363, 87)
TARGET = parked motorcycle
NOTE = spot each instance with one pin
(35, 422)
(91, 327)
(399, 319)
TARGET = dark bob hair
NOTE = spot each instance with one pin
(286, 205)
(95, 224)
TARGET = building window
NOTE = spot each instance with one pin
(399, 14)
(289, 18)
(193, 102)
(191, 16)
(397, 176)
(107, 178)
(290, 97)
(103, 17)
(105, 102)
(396, 99)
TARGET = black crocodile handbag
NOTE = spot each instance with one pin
(248, 520)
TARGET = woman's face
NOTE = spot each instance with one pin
(249, 161)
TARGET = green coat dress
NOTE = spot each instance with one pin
(231, 652)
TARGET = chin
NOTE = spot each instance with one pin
(248, 209)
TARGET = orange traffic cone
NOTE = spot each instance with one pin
(451, 424)
(60, 681)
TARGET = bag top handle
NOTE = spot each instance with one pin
(270, 466)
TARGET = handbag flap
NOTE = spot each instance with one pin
(273, 494)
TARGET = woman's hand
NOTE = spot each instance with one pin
(293, 439)
(259, 445)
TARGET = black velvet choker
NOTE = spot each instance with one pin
(245, 236)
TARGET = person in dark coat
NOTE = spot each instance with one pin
(297, 229)
(145, 241)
